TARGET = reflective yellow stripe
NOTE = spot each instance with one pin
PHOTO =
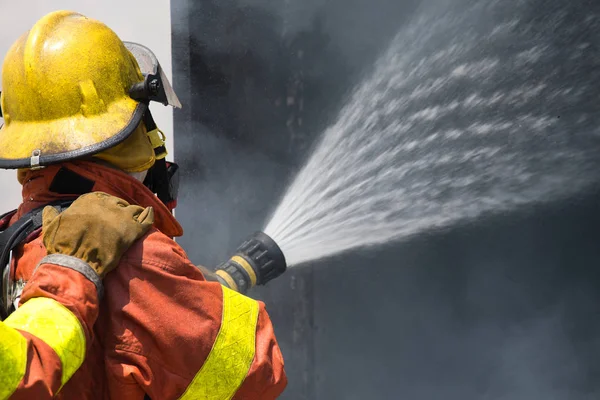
(58, 327)
(13, 360)
(233, 351)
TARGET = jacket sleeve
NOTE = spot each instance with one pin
(177, 336)
(44, 341)
(266, 378)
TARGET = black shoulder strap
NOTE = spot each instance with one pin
(14, 235)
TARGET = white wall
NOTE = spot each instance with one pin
(142, 21)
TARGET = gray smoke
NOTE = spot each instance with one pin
(505, 307)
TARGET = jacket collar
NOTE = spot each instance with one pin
(37, 193)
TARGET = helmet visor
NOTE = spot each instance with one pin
(151, 69)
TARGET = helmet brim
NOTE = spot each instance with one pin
(87, 136)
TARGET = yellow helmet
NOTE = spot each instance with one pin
(71, 88)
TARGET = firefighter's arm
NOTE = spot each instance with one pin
(44, 341)
(266, 378)
(206, 342)
(245, 361)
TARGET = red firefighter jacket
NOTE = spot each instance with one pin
(162, 330)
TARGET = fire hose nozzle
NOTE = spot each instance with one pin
(257, 261)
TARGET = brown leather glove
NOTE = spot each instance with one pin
(97, 228)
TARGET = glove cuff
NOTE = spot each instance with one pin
(76, 264)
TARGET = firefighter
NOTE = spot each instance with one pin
(75, 102)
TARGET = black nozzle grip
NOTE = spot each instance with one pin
(264, 255)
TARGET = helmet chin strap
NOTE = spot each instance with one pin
(163, 178)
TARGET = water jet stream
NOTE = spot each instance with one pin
(457, 119)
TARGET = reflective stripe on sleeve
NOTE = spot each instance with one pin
(13, 360)
(232, 354)
(58, 327)
(75, 264)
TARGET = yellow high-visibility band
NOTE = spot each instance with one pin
(58, 327)
(13, 360)
(244, 264)
(232, 354)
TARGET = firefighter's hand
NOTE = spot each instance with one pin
(97, 228)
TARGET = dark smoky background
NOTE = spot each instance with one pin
(504, 308)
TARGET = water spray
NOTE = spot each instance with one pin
(453, 123)
(459, 119)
